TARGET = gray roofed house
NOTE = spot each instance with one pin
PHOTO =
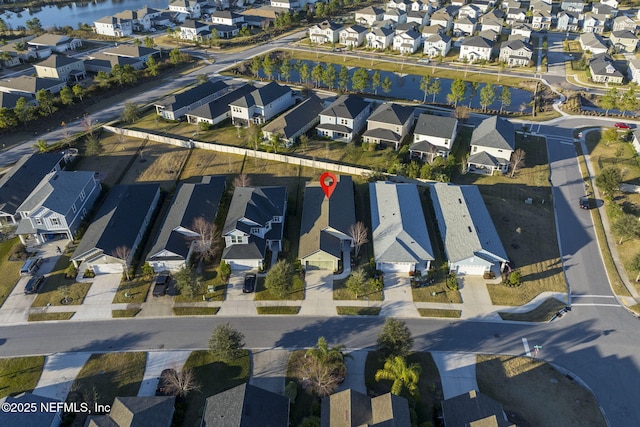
(324, 232)
(474, 408)
(433, 136)
(246, 406)
(516, 53)
(23, 177)
(494, 136)
(389, 124)
(8, 100)
(349, 408)
(594, 43)
(140, 411)
(255, 223)
(262, 104)
(61, 67)
(179, 237)
(57, 43)
(604, 70)
(122, 220)
(141, 53)
(295, 122)
(176, 106)
(343, 119)
(101, 62)
(401, 240)
(30, 418)
(624, 41)
(218, 110)
(28, 86)
(476, 48)
(471, 243)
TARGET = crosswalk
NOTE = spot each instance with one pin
(594, 300)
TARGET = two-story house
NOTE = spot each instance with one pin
(541, 20)
(419, 17)
(437, 45)
(568, 21)
(343, 119)
(572, 5)
(191, 8)
(491, 25)
(254, 223)
(443, 18)
(523, 30)
(380, 38)
(57, 206)
(369, 15)
(61, 67)
(194, 30)
(225, 17)
(623, 41)
(603, 69)
(593, 23)
(353, 36)
(407, 42)
(398, 16)
(114, 27)
(516, 53)
(433, 137)
(475, 48)
(261, 105)
(633, 73)
(623, 22)
(403, 5)
(325, 32)
(492, 143)
(28, 86)
(175, 107)
(389, 124)
(465, 26)
(516, 15)
(470, 11)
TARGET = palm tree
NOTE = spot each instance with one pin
(41, 145)
(327, 355)
(403, 376)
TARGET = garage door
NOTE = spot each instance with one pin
(319, 265)
(471, 270)
(107, 268)
(395, 267)
(242, 264)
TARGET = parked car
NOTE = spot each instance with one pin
(249, 283)
(163, 387)
(34, 284)
(621, 125)
(161, 285)
(30, 266)
(585, 203)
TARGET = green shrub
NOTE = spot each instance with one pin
(147, 270)
(452, 283)
(514, 279)
(70, 272)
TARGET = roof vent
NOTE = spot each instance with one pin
(469, 227)
(460, 201)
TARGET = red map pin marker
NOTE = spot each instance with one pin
(328, 183)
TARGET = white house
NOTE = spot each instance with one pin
(464, 26)
(419, 17)
(634, 71)
(437, 45)
(226, 17)
(594, 23)
(114, 27)
(261, 105)
(491, 25)
(325, 32)
(380, 38)
(407, 42)
(443, 18)
(521, 30)
(398, 16)
(194, 30)
(594, 43)
(475, 49)
(191, 8)
(389, 124)
(541, 20)
(433, 137)
(353, 36)
(343, 119)
(568, 21)
(516, 53)
(492, 143)
(469, 11)
(623, 22)
(369, 15)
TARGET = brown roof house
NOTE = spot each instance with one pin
(474, 409)
(148, 411)
(351, 408)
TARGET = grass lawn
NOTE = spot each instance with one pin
(10, 269)
(210, 277)
(281, 309)
(19, 374)
(195, 311)
(263, 294)
(536, 392)
(344, 310)
(158, 162)
(137, 289)
(41, 317)
(214, 376)
(520, 225)
(340, 292)
(429, 384)
(621, 155)
(437, 312)
(129, 312)
(542, 313)
(50, 294)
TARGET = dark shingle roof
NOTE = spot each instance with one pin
(257, 204)
(383, 134)
(462, 410)
(131, 51)
(30, 84)
(477, 41)
(263, 95)
(298, 118)
(220, 106)
(494, 132)
(346, 107)
(57, 61)
(246, 406)
(8, 100)
(349, 407)
(188, 97)
(438, 126)
(391, 113)
(25, 418)
(142, 411)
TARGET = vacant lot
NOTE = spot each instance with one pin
(10, 269)
(527, 231)
(535, 394)
(19, 374)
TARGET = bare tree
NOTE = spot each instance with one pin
(180, 383)
(358, 233)
(123, 253)
(517, 160)
(206, 231)
(318, 378)
(87, 124)
(242, 180)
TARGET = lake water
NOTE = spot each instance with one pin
(74, 13)
(407, 86)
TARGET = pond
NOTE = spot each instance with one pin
(407, 86)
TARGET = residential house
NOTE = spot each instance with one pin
(594, 43)
(568, 21)
(404, 27)
(8, 100)
(343, 119)
(57, 206)
(433, 136)
(471, 243)
(593, 23)
(542, 6)
(389, 124)
(604, 10)
(61, 67)
(15, 53)
(491, 25)
(469, 11)
(397, 16)
(191, 8)
(380, 38)
(349, 408)
(483, 5)
(464, 26)
(521, 30)
(139, 53)
(225, 31)
(404, 5)
(255, 223)
(353, 36)
(516, 15)
(143, 19)
(97, 62)
(55, 43)
(325, 32)
(218, 110)
(407, 42)
(121, 222)
(611, 3)
(437, 45)
(458, 3)
(572, 5)
(473, 408)
(443, 18)
(489, 35)
(324, 232)
(261, 105)
(194, 30)
(516, 53)
(401, 242)
(288, 127)
(421, 5)
(24, 176)
(114, 27)
(154, 411)
(369, 15)
(226, 17)
(541, 20)
(492, 143)
(623, 22)
(633, 73)
(174, 107)
(603, 70)
(28, 86)
(52, 418)
(418, 17)
(475, 48)
(494, 15)
(193, 206)
(429, 30)
(624, 41)
(246, 405)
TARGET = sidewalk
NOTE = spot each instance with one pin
(58, 374)
(157, 361)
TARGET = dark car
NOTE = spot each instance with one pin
(585, 203)
(164, 389)
(34, 284)
(249, 283)
(161, 285)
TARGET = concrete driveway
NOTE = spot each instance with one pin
(269, 369)
(97, 303)
(236, 302)
(457, 372)
(318, 298)
(398, 299)
(58, 374)
(157, 361)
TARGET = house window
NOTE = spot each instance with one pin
(475, 148)
(255, 230)
(55, 221)
(236, 239)
(446, 142)
(344, 121)
(38, 221)
(73, 208)
(276, 219)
